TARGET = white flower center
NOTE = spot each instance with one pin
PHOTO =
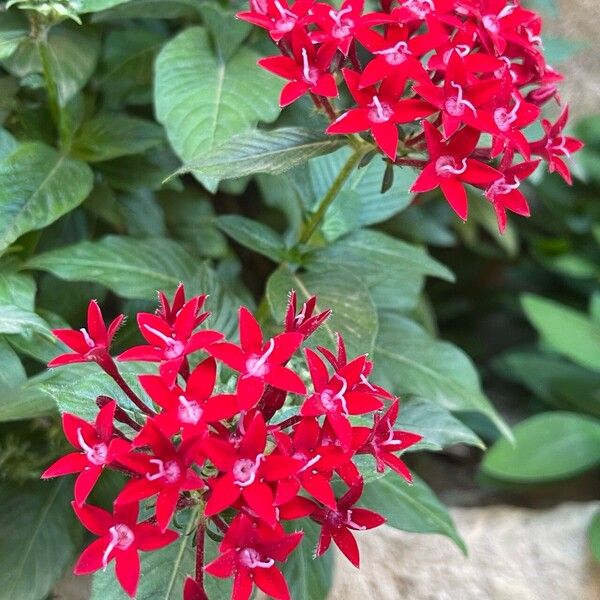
(330, 401)
(88, 340)
(456, 105)
(173, 348)
(121, 538)
(257, 365)
(501, 187)
(170, 471)
(244, 470)
(251, 559)
(310, 74)
(343, 25)
(420, 8)
(396, 55)
(351, 523)
(189, 411)
(446, 166)
(287, 21)
(96, 454)
(379, 112)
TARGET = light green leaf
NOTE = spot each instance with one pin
(410, 507)
(308, 578)
(226, 31)
(108, 136)
(354, 314)
(258, 151)
(24, 399)
(38, 537)
(437, 426)
(88, 6)
(12, 373)
(254, 235)
(366, 184)
(14, 319)
(409, 361)
(149, 9)
(569, 332)
(37, 186)
(129, 267)
(164, 571)
(548, 447)
(202, 101)
(15, 287)
(8, 143)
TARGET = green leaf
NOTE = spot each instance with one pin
(375, 207)
(72, 51)
(354, 314)
(130, 268)
(14, 29)
(594, 536)
(568, 331)
(409, 361)
(308, 578)
(548, 447)
(108, 136)
(202, 101)
(376, 257)
(254, 235)
(37, 186)
(191, 218)
(38, 537)
(8, 143)
(12, 373)
(410, 507)
(437, 426)
(164, 571)
(15, 287)
(258, 151)
(149, 9)
(88, 6)
(226, 31)
(14, 319)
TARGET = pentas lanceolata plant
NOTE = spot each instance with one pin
(227, 455)
(446, 86)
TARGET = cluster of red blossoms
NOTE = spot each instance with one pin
(229, 456)
(475, 71)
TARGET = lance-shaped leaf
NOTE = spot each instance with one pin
(202, 101)
(409, 361)
(257, 151)
(37, 186)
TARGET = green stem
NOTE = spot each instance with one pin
(313, 223)
(52, 88)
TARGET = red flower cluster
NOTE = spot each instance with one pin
(476, 70)
(228, 454)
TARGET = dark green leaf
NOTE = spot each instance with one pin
(37, 186)
(14, 29)
(254, 235)
(354, 315)
(38, 537)
(108, 136)
(548, 447)
(258, 151)
(226, 31)
(410, 507)
(409, 361)
(131, 268)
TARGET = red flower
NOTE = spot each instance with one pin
(91, 344)
(170, 343)
(337, 524)
(395, 55)
(554, 145)
(339, 27)
(461, 97)
(450, 167)
(383, 441)
(259, 363)
(249, 551)
(379, 111)
(189, 411)
(504, 193)
(305, 321)
(166, 472)
(335, 397)
(98, 448)
(121, 537)
(246, 470)
(276, 16)
(307, 69)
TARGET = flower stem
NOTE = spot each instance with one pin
(200, 554)
(312, 224)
